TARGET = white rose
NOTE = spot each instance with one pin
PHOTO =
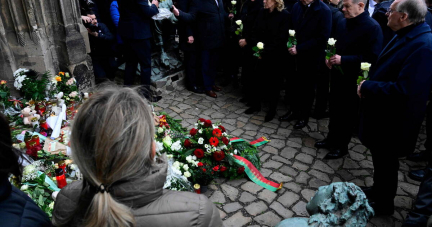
(291, 32)
(187, 174)
(159, 146)
(189, 158)
(200, 140)
(365, 66)
(260, 45)
(186, 167)
(24, 187)
(331, 42)
(196, 124)
(160, 130)
(233, 2)
(176, 146)
(200, 131)
(235, 151)
(167, 141)
(194, 157)
(238, 22)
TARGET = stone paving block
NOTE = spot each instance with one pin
(316, 135)
(237, 132)
(278, 208)
(356, 156)
(251, 187)
(288, 199)
(319, 165)
(346, 176)
(284, 132)
(382, 221)
(271, 125)
(305, 158)
(237, 220)
(403, 202)
(288, 171)
(231, 207)
(336, 179)
(267, 195)
(302, 178)
(358, 182)
(236, 182)
(279, 177)
(366, 164)
(250, 127)
(300, 209)
(240, 124)
(246, 197)
(357, 173)
(230, 191)
(320, 175)
(409, 188)
(222, 214)
(368, 181)
(256, 208)
(257, 122)
(266, 172)
(300, 166)
(294, 144)
(269, 219)
(316, 183)
(309, 142)
(359, 148)
(292, 186)
(218, 197)
(270, 149)
(309, 151)
(288, 152)
(264, 157)
(350, 164)
(251, 133)
(307, 194)
(272, 164)
(277, 143)
(280, 159)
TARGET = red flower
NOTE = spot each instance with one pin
(199, 153)
(193, 132)
(214, 141)
(225, 140)
(200, 164)
(202, 120)
(223, 168)
(240, 170)
(187, 143)
(222, 128)
(217, 133)
(216, 168)
(204, 170)
(207, 123)
(218, 155)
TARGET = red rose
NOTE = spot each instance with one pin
(204, 170)
(223, 168)
(214, 141)
(187, 143)
(202, 120)
(200, 164)
(199, 153)
(216, 168)
(217, 133)
(207, 123)
(193, 132)
(222, 128)
(225, 140)
(240, 170)
(218, 155)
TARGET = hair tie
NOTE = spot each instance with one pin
(103, 188)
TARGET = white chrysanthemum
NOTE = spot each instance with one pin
(196, 125)
(159, 146)
(73, 166)
(176, 146)
(187, 174)
(186, 167)
(20, 71)
(200, 140)
(206, 146)
(224, 134)
(160, 130)
(215, 126)
(194, 157)
(189, 158)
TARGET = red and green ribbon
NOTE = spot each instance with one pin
(259, 142)
(255, 175)
(236, 139)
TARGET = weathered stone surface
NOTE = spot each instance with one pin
(269, 219)
(288, 152)
(246, 197)
(281, 210)
(320, 175)
(300, 166)
(279, 177)
(288, 199)
(267, 195)
(251, 187)
(231, 207)
(229, 191)
(308, 194)
(403, 202)
(359, 148)
(300, 209)
(272, 164)
(270, 149)
(222, 214)
(256, 208)
(302, 178)
(356, 156)
(288, 171)
(316, 183)
(281, 159)
(319, 165)
(350, 164)
(304, 158)
(218, 197)
(309, 151)
(237, 220)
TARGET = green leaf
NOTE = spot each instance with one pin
(41, 200)
(237, 32)
(255, 48)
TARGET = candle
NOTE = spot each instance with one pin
(197, 188)
(60, 178)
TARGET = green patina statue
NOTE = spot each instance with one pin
(337, 204)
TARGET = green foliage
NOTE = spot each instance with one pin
(292, 41)
(39, 192)
(35, 86)
(175, 124)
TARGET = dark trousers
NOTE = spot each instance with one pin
(428, 143)
(322, 90)
(192, 69)
(344, 106)
(102, 67)
(302, 86)
(423, 205)
(209, 65)
(137, 51)
(231, 61)
(248, 68)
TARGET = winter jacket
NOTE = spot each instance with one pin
(18, 209)
(150, 203)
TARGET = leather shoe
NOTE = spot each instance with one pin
(252, 110)
(211, 94)
(418, 157)
(417, 175)
(323, 144)
(336, 153)
(196, 89)
(290, 116)
(216, 88)
(269, 116)
(300, 124)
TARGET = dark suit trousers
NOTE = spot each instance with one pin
(248, 67)
(423, 204)
(209, 65)
(386, 166)
(137, 51)
(322, 90)
(302, 92)
(190, 61)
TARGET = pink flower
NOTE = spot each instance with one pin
(70, 81)
(73, 94)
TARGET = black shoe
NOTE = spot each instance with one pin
(252, 110)
(382, 208)
(323, 144)
(269, 116)
(418, 157)
(300, 124)
(290, 116)
(336, 153)
(417, 175)
(368, 191)
(320, 115)
(196, 89)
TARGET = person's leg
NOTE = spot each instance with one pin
(205, 69)
(142, 50)
(322, 93)
(131, 63)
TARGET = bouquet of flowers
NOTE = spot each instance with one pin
(331, 51)
(292, 41)
(239, 30)
(31, 84)
(233, 9)
(258, 49)
(67, 84)
(364, 66)
(4, 93)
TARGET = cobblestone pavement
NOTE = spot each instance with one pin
(290, 157)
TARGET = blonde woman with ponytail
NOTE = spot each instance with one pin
(112, 144)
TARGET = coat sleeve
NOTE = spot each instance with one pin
(317, 42)
(209, 214)
(191, 15)
(105, 33)
(115, 14)
(146, 10)
(414, 78)
(279, 42)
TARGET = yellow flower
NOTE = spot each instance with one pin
(3, 82)
(365, 66)
(61, 73)
(260, 45)
(58, 78)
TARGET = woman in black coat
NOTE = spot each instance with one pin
(16, 208)
(271, 28)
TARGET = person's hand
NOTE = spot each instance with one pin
(359, 88)
(335, 59)
(175, 11)
(242, 42)
(328, 64)
(156, 3)
(231, 16)
(190, 39)
(293, 50)
(86, 19)
(95, 34)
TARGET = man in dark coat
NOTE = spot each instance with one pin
(134, 29)
(187, 43)
(361, 41)
(394, 99)
(312, 22)
(209, 16)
